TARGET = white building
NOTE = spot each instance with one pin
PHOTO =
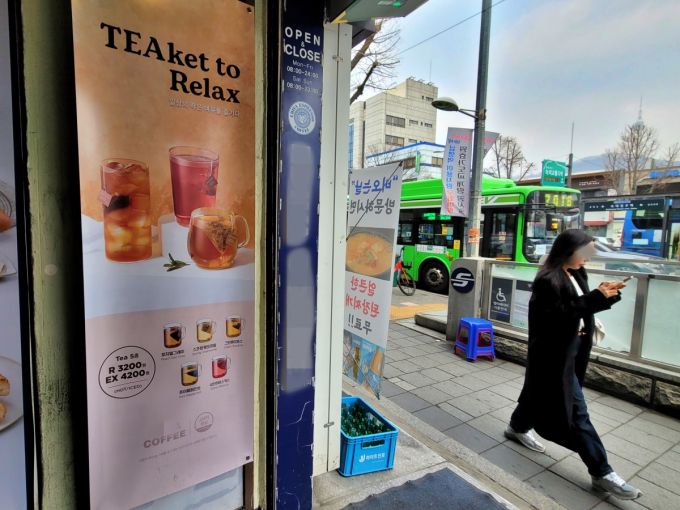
(421, 160)
(395, 118)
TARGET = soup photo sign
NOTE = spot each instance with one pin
(371, 240)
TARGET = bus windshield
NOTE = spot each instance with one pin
(548, 214)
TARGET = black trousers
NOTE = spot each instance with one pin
(587, 441)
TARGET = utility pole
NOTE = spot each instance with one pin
(480, 121)
(570, 166)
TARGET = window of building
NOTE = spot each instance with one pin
(413, 122)
(394, 140)
(411, 140)
(428, 125)
(396, 121)
(410, 162)
(350, 156)
(437, 161)
(429, 99)
(351, 121)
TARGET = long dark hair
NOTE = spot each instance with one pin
(566, 244)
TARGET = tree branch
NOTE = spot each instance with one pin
(360, 89)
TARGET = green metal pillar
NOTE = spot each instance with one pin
(45, 56)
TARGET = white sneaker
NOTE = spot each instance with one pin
(526, 438)
(616, 486)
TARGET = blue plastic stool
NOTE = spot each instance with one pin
(475, 337)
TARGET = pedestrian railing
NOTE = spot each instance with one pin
(644, 326)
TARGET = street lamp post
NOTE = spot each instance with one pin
(479, 114)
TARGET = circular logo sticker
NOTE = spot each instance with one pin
(203, 422)
(302, 118)
(462, 280)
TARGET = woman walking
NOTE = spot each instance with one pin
(561, 326)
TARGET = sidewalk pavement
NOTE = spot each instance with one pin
(466, 407)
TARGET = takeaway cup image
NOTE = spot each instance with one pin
(220, 365)
(194, 180)
(191, 371)
(125, 199)
(205, 329)
(235, 325)
(173, 334)
(213, 237)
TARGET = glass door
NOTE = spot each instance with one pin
(500, 232)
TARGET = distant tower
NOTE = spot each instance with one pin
(640, 124)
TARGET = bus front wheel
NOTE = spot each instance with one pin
(435, 277)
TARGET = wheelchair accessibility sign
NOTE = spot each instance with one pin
(302, 118)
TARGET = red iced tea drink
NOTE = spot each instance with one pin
(127, 221)
(213, 237)
(194, 180)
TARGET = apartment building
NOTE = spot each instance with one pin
(398, 117)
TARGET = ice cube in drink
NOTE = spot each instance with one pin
(194, 180)
(127, 220)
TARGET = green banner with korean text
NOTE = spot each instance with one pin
(554, 173)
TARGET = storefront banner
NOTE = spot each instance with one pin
(374, 200)
(165, 96)
(12, 434)
(456, 172)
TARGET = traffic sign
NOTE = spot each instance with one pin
(554, 173)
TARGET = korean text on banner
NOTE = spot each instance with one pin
(489, 139)
(456, 172)
(371, 240)
(168, 248)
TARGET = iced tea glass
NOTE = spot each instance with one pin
(205, 328)
(127, 221)
(194, 180)
(213, 237)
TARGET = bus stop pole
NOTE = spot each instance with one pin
(480, 121)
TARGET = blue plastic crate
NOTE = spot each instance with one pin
(357, 459)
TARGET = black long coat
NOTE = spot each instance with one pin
(556, 355)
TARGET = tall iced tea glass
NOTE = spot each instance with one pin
(214, 238)
(194, 180)
(125, 198)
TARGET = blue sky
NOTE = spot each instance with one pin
(551, 63)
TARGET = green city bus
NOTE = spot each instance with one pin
(518, 223)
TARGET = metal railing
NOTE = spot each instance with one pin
(509, 312)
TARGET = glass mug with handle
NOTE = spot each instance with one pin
(214, 237)
(173, 334)
(191, 371)
(235, 325)
(220, 365)
(205, 329)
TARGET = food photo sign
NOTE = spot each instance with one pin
(166, 129)
(374, 201)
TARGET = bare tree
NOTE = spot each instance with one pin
(508, 161)
(626, 164)
(668, 159)
(374, 63)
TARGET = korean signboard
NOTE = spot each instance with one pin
(554, 173)
(13, 487)
(456, 172)
(166, 132)
(371, 239)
